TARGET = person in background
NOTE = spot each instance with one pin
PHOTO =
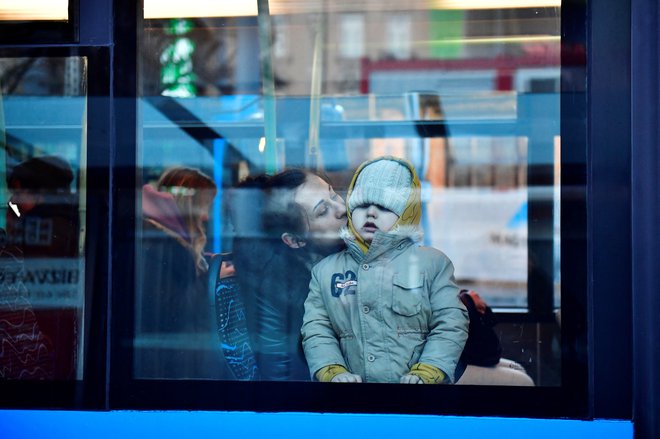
(43, 219)
(43, 222)
(483, 351)
(385, 309)
(173, 315)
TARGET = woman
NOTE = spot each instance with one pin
(173, 328)
(284, 224)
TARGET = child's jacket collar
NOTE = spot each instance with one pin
(400, 238)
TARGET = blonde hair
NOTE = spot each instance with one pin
(192, 191)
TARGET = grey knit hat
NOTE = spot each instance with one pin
(386, 183)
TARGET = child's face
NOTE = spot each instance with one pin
(369, 219)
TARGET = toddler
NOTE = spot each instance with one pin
(385, 309)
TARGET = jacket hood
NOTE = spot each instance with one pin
(412, 212)
(397, 239)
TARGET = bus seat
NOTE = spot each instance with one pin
(505, 373)
(228, 312)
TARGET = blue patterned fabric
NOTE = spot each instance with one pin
(232, 329)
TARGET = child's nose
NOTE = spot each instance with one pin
(372, 210)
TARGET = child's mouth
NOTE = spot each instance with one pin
(369, 227)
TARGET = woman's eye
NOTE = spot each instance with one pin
(322, 211)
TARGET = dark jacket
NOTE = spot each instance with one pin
(48, 236)
(175, 335)
(27, 353)
(274, 280)
(48, 230)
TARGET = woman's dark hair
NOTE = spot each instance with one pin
(281, 213)
(276, 208)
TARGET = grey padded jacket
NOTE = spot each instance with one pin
(379, 313)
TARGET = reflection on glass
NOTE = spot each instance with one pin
(469, 96)
(42, 164)
(173, 310)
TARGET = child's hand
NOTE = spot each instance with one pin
(347, 377)
(411, 379)
(422, 373)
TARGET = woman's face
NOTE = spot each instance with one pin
(203, 211)
(197, 209)
(204, 204)
(326, 211)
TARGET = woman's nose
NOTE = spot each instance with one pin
(340, 209)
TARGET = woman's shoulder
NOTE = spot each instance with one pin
(260, 260)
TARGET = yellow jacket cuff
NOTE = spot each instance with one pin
(327, 373)
(428, 374)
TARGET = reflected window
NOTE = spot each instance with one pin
(351, 30)
(398, 36)
(42, 217)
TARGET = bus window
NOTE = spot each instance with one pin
(42, 217)
(470, 97)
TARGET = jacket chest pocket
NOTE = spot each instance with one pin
(407, 293)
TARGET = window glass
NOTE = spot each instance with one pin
(470, 97)
(42, 217)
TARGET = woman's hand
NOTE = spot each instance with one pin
(411, 379)
(347, 377)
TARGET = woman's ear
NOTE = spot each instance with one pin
(293, 241)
